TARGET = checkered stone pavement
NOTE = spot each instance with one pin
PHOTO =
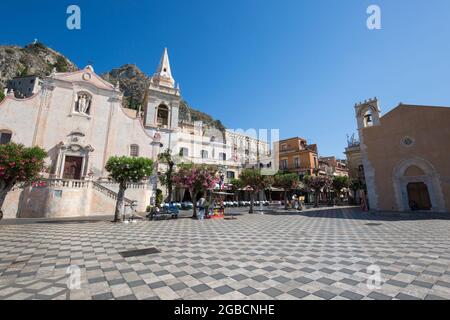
(322, 255)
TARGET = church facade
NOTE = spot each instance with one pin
(405, 156)
(79, 120)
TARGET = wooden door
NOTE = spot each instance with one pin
(418, 196)
(72, 168)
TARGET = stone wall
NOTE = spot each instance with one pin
(70, 198)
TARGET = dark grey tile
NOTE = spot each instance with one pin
(443, 284)
(422, 284)
(433, 297)
(224, 289)
(303, 280)
(248, 291)
(403, 296)
(178, 286)
(379, 296)
(103, 296)
(260, 278)
(397, 283)
(325, 281)
(96, 280)
(128, 297)
(239, 277)
(158, 284)
(219, 276)
(324, 294)
(300, 294)
(351, 295)
(136, 283)
(200, 288)
(281, 279)
(272, 292)
(350, 282)
(116, 281)
(199, 275)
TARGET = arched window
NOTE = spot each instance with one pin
(368, 119)
(163, 116)
(134, 150)
(83, 103)
(5, 136)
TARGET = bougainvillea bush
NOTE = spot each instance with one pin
(19, 164)
(196, 178)
(124, 170)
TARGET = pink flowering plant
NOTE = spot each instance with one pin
(124, 170)
(19, 164)
(196, 179)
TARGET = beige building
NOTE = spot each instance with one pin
(405, 156)
(333, 167)
(79, 120)
(354, 161)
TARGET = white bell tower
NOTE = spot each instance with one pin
(162, 109)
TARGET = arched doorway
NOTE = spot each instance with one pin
(418, 196)
(417, 186)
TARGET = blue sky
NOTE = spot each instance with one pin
(299, 66)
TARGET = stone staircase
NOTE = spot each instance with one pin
(109, 193)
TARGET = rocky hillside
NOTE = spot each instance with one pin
(34, 59)
(133, 83)
(38, 59)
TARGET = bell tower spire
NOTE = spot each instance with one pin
(163, 75)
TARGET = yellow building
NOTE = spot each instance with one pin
(295, 155)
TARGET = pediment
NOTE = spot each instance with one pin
(87, 75)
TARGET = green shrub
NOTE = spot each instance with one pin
(159, 197)
(61, 64)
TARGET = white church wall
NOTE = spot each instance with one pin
(19, 117)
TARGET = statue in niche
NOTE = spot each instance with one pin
(83, 104)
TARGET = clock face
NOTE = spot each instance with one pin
(87, 76)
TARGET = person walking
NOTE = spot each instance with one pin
(201, 205)
(295, 201)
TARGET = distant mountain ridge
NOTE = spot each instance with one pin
(38, 59)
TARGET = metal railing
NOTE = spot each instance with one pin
(109, 193)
